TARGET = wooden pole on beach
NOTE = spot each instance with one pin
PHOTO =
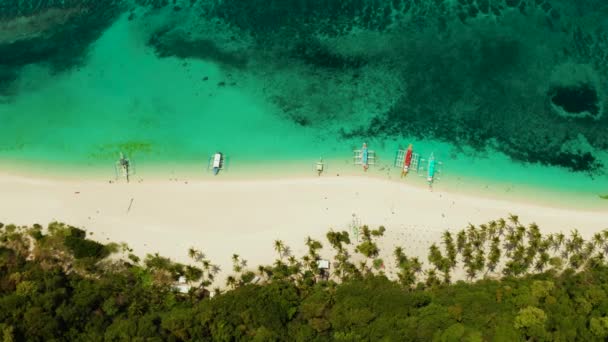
(130, 204)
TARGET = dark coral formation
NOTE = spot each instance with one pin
(169, 43)
(50, 31)
(475, 73)
(576, 100)
(470, 72)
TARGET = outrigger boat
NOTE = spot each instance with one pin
(124, 167)
(364, 157)
(407, 160)
(217, 162)
(433, 169)
(319, 166)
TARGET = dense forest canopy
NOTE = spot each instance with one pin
(57, 285)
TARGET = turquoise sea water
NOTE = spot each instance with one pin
(171, 110)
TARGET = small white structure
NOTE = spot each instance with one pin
(181, 286)
(323, 264)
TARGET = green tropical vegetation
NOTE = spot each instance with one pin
(500, 281)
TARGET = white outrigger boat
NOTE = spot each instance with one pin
(320, 166)
(217, 162)
(124, 168)
(364, 157)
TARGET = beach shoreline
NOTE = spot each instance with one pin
(304, 169)
(244, 216)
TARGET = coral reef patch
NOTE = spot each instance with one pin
(519, 76)
(480, 73)
(53, 32)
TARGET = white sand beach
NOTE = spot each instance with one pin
(222, 217)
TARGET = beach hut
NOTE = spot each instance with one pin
(323, 266)
(181, 286)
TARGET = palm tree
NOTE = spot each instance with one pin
(544, 245)
(559, 240)
(461, 240)
(501, 225)
(550, 239)
(533, 231)
(193, 274)
(431, 278)
(435, 257)
(482, 234)
(556, 263)
(447, 277)
(511, 241)
(231, 282)
(542, 261)
(576, 240)
(408, 268)
(416, 265)
(471, 232)
(595, 261)
(262, 271)
(588, 249)
(450, 248)
(492, 229)
(576, 260)
(191, 252)
(479, 262)
(292, 260)
(236, 265)
(514, 219)
(598, 239)
(530, 253)
(313, 245)
(279, 246)
(399, 255)
(195, 254)
(494, 257)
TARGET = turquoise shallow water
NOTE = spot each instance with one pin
(164, 111)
